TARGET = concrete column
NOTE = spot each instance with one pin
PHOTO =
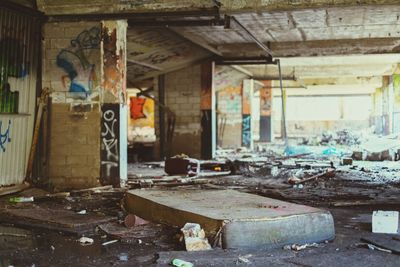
(247, 95)
(207, 129)
(114, 122)
(266, 133)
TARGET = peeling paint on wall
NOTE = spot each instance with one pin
(114, 61)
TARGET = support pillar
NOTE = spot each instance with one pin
(114, 122)
(247, 95)
(206, 110)
(266, 133)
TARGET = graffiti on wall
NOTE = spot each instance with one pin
(13, 63)
(246, 130)
(265, 102)
(114, 67)
(110, 144)
(142, 112)
(229, 100)
(77, 63)
(4, 136)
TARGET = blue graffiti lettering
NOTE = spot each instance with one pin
(75, 61)
(246, 130)
(5, 137)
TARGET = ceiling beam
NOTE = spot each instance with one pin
(196, 40)
(167, 70)
(316, 48)
(310, 72)
(150, 66)
(228, 6)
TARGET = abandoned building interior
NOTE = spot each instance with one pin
(199, 133)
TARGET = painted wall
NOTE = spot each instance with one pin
(228, 87)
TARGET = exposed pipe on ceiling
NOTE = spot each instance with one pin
(265, 48)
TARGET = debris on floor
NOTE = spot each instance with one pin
(194, 237)
(85, 241)
(54, 219)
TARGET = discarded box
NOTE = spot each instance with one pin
(182, 166)
(385, 222)
(347, 161)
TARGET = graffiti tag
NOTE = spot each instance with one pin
(136, 108)
(246, 130)
(4, 137)
(109, 142)
(75, 61)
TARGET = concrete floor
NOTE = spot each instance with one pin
(44, 248)
(156, 245)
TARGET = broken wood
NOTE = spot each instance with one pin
(42, 102)
(329, 173)
(13, 189)
(54, 219)
(91, 190)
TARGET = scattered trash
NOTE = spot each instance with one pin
(52, 248)
(132, 220)
(373, 247)
(195, 238)
(244, 259)
(297, 247)
(347, 161)
(123, 257)
(298, 186)
(385, 222)
(182, 165)
(109, 242)
(20, 199)
(181, 263)
(82, 212)
(85, 241)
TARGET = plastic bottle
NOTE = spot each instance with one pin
(181, 263)
(21, 199)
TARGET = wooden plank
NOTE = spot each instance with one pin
(13, 189)
(53, 219)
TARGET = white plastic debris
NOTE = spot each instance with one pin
(297, 247)
(245, 259)
(195, 237)
(385, 222)
(85, 241)
(82, 212)
(109, 242)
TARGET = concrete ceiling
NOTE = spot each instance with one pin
(324, 31)
(154, 51)
(299, 29)
(323, 68)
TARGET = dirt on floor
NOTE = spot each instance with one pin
(45, 232)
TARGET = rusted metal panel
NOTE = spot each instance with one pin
(19, 50)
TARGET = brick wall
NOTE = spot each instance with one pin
(74, 157)
(182, 95)
(74, 150)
